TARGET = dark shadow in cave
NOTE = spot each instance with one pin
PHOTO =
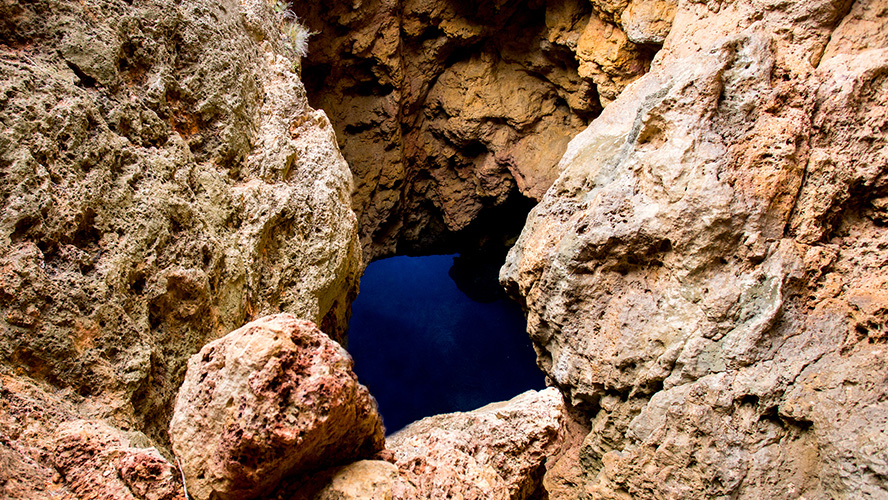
(423, 347)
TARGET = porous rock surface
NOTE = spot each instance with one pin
(98, 462)
(276, 397)
(495, 452)
(447, 108)
(707, 278)
(162, 181)
(48, 452)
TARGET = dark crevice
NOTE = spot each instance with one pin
(86, 81)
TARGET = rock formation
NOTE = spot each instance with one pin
(48, 452)
(705, 282)
(163, 181)
(274, 398)
(500, 451)
(706, 279)
(447, 108)
(495, 452)
(97, 462)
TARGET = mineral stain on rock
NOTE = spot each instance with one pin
(423, 347)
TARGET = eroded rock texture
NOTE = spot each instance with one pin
(162, 181)
(447, 108)
(276, 397)
(48, 452)
(707, 278)
(495, 452)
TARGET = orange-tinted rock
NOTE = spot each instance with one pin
(445, 110)
(276, 397)
(706, 279)
(97, 463)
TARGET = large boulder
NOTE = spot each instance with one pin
(495, 452)
(276, 397)
(706, 279)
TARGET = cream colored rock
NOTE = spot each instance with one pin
(800, 30)
(362, 480)
(274, 398)
(704, 278)
(646, 21)
(495, 452)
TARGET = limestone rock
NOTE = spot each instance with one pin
(646, 21)
(47, 451)
(97, 462)
(163, 181)
(446, 111)
(361, 480)
(276, 397)
(705, 279)
(495, 452)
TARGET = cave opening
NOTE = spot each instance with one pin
(431, 335)
(451, 135)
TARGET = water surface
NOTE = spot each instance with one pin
(423, 347)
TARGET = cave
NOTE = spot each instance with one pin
(444, 181)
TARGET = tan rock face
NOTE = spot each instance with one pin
(495, 452)
(163, 181)
(276, 397)
(445, 109)
(705, 278)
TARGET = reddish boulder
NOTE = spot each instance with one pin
(276, 397)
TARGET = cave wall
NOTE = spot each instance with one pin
(447, 108)
(706, 280)
(162, 181)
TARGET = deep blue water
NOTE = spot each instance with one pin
(423, 347)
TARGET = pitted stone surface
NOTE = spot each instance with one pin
(706, 276)
(276, 397)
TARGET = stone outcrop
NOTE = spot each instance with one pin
(495, 452)
(445, 108)
(274, 398)
(706, 279)
(163, 181)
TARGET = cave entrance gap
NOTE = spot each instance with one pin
(423, 347)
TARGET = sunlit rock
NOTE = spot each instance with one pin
(276, 397)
